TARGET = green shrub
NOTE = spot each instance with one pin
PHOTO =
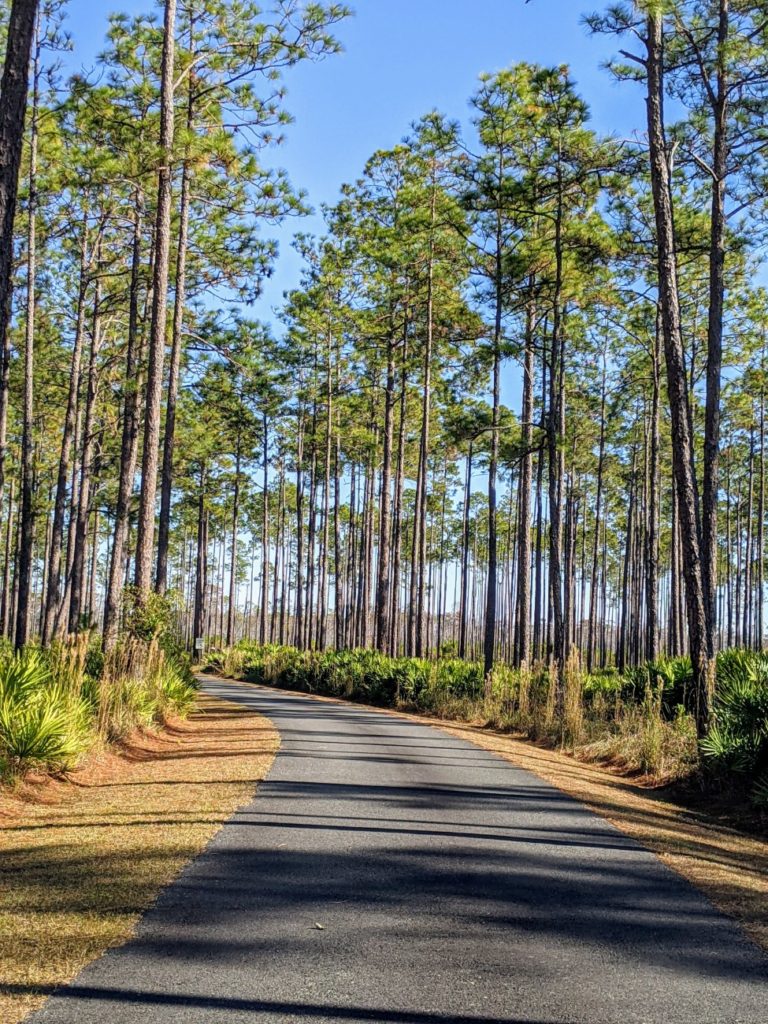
(154, 619)
(214, 659)
(737, 742)
(177, 694)
(675, 677)
(43, 725)
(363, 675)
(126, 704)
(602, 684)
(56, 704)
(640, 718)
(142, 686)
(233, 662)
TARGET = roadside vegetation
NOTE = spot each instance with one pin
(641, 720)
(61, 704)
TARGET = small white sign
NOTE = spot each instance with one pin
(199, 644)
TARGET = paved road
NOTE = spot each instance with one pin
(450, 886)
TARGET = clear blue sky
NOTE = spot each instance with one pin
(403, 58)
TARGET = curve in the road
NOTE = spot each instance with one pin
(389, 872)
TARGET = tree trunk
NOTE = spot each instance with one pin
(715, 330)
(53, 593)
(523, 644)
(299, 630)
(538, 595)
(130, 438)
(652, 540)
(265, 537)
(27, 508)
(338, 579)
(746, 631)
(677, 384)
(13, 106)
(397, 519)
(201, 573)
(489, 639)
(166, 486)
(322, 617)
(5, 607)
(463, 610)
(598, 510)
(760, 529)
(232, 607)
(421, 484)
(76, 605)
(154, 389)
(383, 601)
(554, 441)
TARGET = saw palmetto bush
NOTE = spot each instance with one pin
(56, 704)
(44, 723)
(363, 675)
(601, 716)
(639, 720)
(737, 741)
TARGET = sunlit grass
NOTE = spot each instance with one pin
(81, 860)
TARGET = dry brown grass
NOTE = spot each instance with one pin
(82, 859)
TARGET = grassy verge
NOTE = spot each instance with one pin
(82, 857)
(60, 705)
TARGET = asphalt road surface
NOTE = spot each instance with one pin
(389, 872)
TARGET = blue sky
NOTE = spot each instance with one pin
(403, 58)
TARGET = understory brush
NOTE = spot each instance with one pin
(60, 703)
(361, 675)
(736, 746)
(640, 720)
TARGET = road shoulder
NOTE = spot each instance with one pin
(82, 859)
(729, 867)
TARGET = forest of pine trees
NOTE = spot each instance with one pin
(515, 406)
